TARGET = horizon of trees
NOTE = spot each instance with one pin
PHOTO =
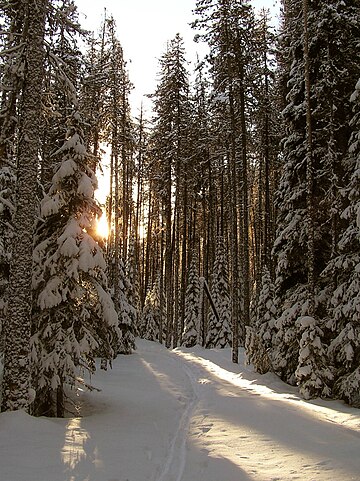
(233, 210)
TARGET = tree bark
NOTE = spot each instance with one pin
(309, 168)
(16, 382)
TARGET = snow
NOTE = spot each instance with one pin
(185, 415)
(69, 247)
(86, 186)
(67, 169)
(305, 321)
(51, 295)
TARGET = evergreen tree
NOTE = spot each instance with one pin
(151, 315)
(259, 337)
(93, 91)
(228, 27)
(317, 118)
(219, 332)
(170, 153)
(74, 319)
(266, 149)
(202, 183)
(313, 372)
(62, 74)
(291, 202)
(126, 313)
(344, 318)
(192, 306)
(139, 268)
(117, 128)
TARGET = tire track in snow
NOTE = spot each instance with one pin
(174, 466)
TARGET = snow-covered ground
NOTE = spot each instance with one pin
(185, 415)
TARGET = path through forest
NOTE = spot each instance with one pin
(185, 415)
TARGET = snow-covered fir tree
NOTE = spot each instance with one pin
(113, 117)
(126, 312)
(228, 28)
(219, 331)
(74, 319)
(192, 305)
(344, 318)
(170, 145)
(313, 372)
(259, 337)
(317, 118)
(290, 246)
(63, 66)
(93, 91)
(151, 315)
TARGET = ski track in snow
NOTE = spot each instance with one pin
(174, 465)
(185, 415)
(244, 443)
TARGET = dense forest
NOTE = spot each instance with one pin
(233, 211)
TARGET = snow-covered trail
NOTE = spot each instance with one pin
(185, 415)
(244, 431)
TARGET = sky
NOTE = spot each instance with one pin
(184, 415)
(144, 28)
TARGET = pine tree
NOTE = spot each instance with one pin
(74, 319)
(291, 202)
(117, 128)
(228, 27)
(138, 270)
(170, 152)
(151, 315)
(93, 91)
(259, 337)
(266, 143)
(126, 312)
(344, 349)
(192, 306)
(313, 372)
(317, 124)
(62, 74)
(219, 331)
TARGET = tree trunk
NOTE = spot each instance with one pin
(168, 257)
(16, 382)
(309, 169)
(245, 209)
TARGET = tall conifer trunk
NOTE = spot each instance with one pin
(309, 167)
(16, 382)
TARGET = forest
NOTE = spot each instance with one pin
(233, 212)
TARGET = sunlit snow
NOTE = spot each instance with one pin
(185, 415)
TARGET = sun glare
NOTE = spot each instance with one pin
(142, 231)
(73, 451)
(102, 227)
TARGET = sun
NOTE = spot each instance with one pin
(102, 227)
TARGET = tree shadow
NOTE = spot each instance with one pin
(273, 423)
